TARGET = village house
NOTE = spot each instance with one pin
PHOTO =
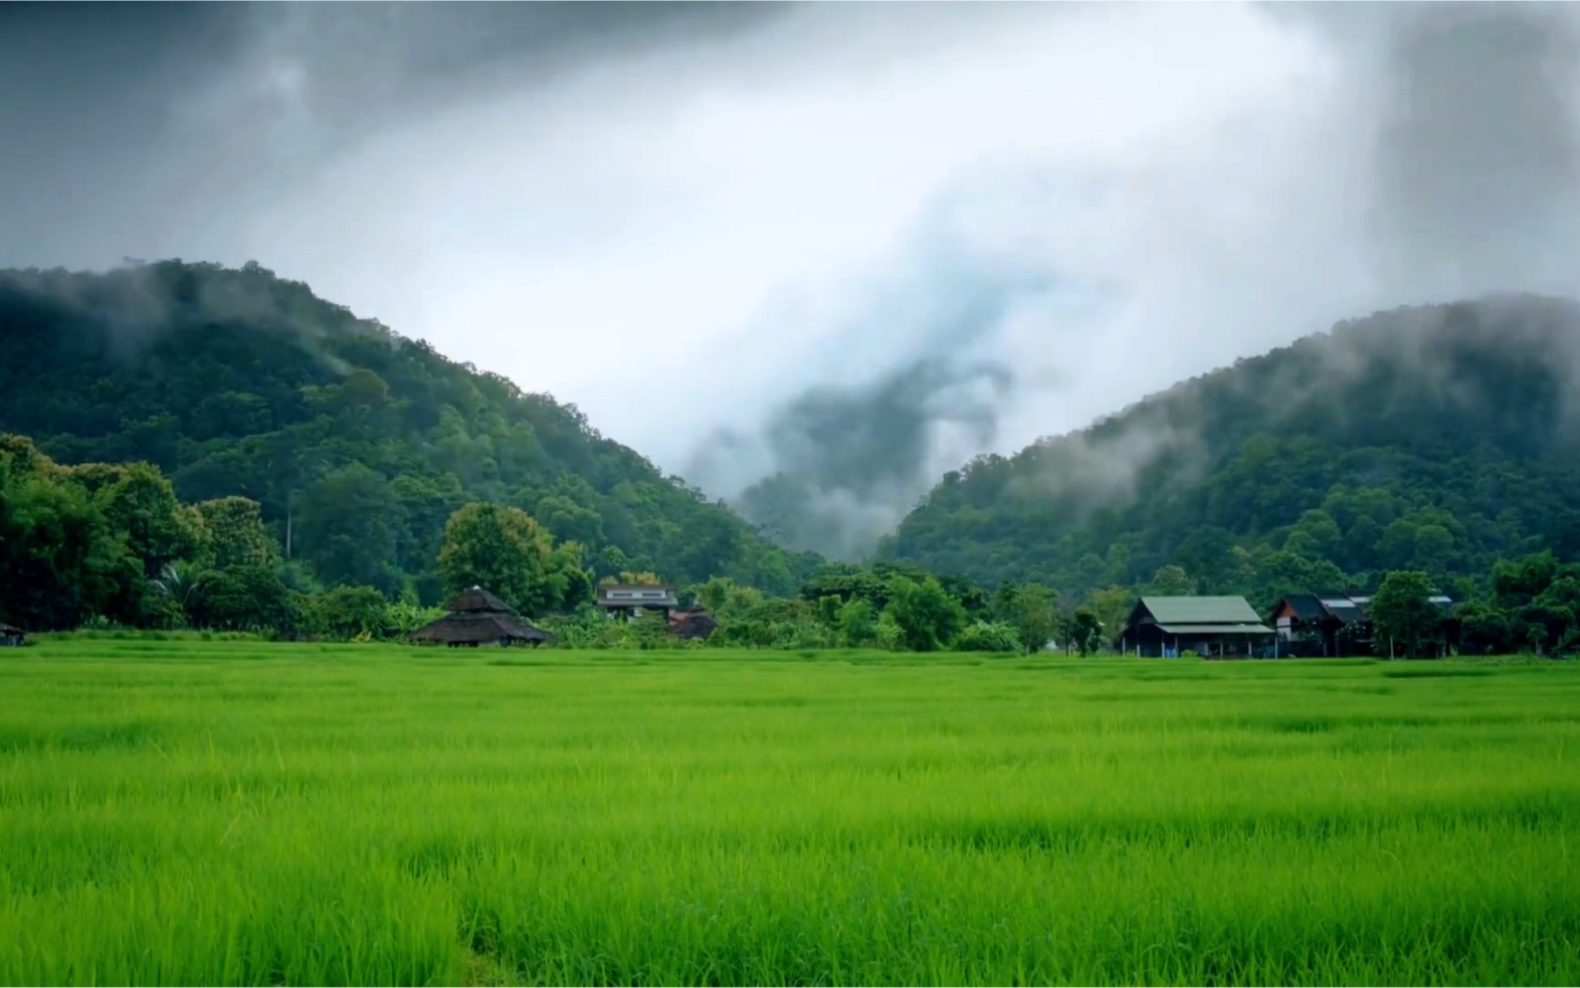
(10, 636)
(696, 623)
(1212, 627)
(627, 600)
(1325, 625)
(1332, 625)
(476, 618)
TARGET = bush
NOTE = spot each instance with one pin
(990, 636)
(345, 613)
(245, 598)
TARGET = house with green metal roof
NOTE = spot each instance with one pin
(1212, 627)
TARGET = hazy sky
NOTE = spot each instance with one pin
(681, 218)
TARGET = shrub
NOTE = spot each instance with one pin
(990, 636)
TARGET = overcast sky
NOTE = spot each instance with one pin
(681, 218)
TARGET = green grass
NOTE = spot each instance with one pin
(231, 812)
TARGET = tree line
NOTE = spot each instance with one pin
(113, 544)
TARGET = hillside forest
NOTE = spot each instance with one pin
(356, 443)
(195, 446)
(1438, 439)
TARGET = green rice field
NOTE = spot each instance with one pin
(240, 813)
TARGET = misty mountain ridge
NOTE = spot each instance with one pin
(1435, 437)
(357, 442)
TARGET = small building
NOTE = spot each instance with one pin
(477, 618)
(10, 636)
(1337, 624)
(1324, 625)
(687, 625)
(1212, 627)
(626, 600)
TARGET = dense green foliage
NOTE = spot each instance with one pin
(226, 813)
(98, 544)
(113, 545)
(505, 550)
(1534, 605)
(1436, 440)
(357, 444)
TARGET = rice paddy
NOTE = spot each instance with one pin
(239, 813)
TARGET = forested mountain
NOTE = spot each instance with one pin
(358, 443)
(1434, 439)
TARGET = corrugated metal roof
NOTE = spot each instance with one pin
(1216, 629)
(1201, 610)
(1346, 612)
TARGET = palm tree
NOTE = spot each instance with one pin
(180, 582)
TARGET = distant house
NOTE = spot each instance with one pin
(10, 636)
(687, 625)
(477, 618)
(1332, 624)
(628, 600)
(1322, 624)
(1209, 626)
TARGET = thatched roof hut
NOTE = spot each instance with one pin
(10, 635)
(477, 617)
(478, 601)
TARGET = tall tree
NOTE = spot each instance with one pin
(929, 619)
(58, 560)
(140, 506)
(1403, 615)
(1172, 581)
(1084, 631)
(1029, 609)
(235, 534)
(505, 551)
(348, 525)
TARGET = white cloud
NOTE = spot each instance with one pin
(679, 238)
(631, 237)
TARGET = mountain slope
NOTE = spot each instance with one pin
(357, 442)
(1436, 438)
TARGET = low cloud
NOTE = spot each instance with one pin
(846, 246)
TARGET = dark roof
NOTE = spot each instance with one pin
(1347, 612)
(478, 601)
(1200, 610)
(692, 624)
(1306, 607)
(478, 627)
(637, 595)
